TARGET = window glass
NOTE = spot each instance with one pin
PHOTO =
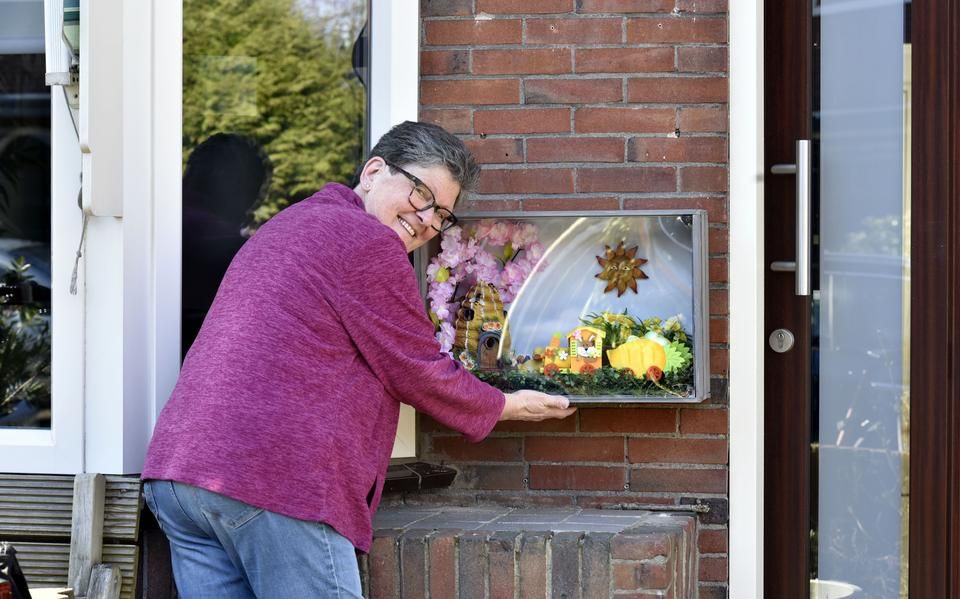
(273, 108)
(24, 219)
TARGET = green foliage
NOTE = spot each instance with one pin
(24, 344)
(17, 272)
(266, 70)
(671, 329)
(604, 381)
(616, 327)
(619, 327)
(678, 357)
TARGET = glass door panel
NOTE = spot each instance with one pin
(860, 311)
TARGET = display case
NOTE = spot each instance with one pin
(607, 308)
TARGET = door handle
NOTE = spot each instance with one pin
(802, 264)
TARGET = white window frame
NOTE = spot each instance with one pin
(116, 344)
(394, 98)
(58, 449)
(747, 341)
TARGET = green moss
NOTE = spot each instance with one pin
(603, 382)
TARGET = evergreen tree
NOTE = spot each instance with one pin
(268, 70)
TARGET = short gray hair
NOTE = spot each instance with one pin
(426, 144)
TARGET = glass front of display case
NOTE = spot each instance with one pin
(605, 308)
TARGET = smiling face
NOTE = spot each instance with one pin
(385, 194)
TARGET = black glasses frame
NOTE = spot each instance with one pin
(447, 219)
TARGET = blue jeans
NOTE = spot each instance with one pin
(227, 549)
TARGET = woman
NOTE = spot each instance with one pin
(268, 461)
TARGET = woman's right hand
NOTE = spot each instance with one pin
(535, 406)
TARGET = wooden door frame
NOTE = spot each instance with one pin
(934, 544)
(787, 112)
(935, 306)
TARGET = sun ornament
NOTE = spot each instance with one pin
(621, 269)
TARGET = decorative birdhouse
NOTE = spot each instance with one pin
(586, 348)
(480, 328)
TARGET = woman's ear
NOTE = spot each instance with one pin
(370, 171)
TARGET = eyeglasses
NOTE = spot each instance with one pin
(443, 219)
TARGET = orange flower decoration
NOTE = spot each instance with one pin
(587, 369)
(551, 369)
(654, 374)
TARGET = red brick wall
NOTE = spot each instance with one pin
(593, 105)
(647, 561)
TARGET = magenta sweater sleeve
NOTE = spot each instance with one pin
(383, 313)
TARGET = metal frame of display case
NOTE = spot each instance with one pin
(700, 293)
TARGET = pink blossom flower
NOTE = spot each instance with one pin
(499, 234)
(445, 336)
(485, 267)
(524, 235)
(483, 228)
(534, 251)
(466, 260)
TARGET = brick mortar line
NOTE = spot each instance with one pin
(626, 494)
(642, 195)
(516, 564)
(580, 541)
(611, 465)
(427, 46)
(674, 466)
(485, 560)
(590, 135)
(480, 136)
(591, 76)
(628, 464)
(447, 434)
(427, 565)
(659, 559)
(584, 435)
(548, 566)
(623, 499)
(605, 164)
(685, 75)
(456, 565)
(621, 104)
(626, 436)
(643, 15)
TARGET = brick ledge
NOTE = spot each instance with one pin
(506, 552)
